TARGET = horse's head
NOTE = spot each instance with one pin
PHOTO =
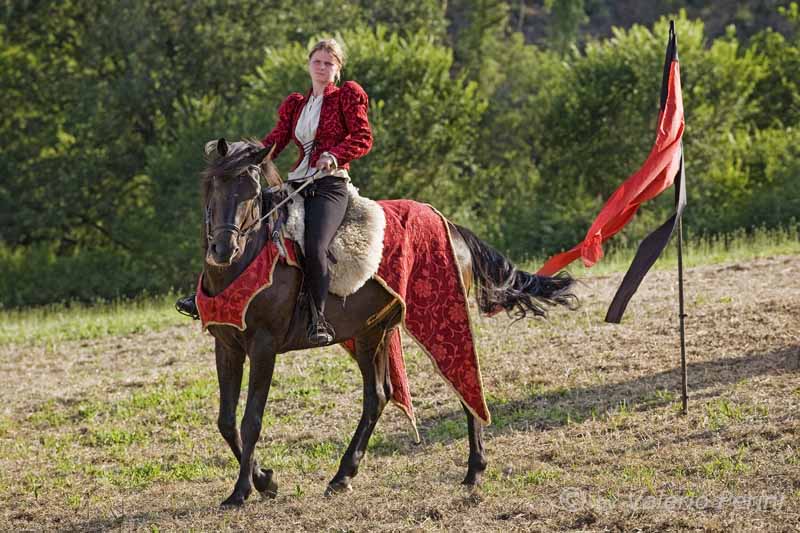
(232, 196)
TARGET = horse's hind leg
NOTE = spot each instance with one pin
(477, 457)
(230, 368)
(369, 347)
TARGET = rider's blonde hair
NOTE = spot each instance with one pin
(333, 48)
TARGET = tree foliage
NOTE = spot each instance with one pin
(107, 106)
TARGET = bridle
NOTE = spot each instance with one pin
(239, 232)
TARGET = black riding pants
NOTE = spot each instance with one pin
(325, 205)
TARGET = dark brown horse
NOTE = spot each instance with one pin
(234, 235)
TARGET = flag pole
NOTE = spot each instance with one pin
(681, 316)
(680, 203)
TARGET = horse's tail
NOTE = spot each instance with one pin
(500, 286)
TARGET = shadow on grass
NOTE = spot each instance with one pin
(546, 410)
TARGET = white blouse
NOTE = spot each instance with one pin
(306, 132)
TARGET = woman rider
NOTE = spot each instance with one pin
(329, 124)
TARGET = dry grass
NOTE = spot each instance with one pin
(120, 433)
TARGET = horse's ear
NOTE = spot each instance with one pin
(261, 155)
(265, 154)
(270, 172)
(216, 148)
(222, 147)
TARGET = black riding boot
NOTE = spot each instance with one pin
(187, 306)
(320, 332)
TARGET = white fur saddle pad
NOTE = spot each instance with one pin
(357, 245)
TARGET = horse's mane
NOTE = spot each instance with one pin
(240, 155)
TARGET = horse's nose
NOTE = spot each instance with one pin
(220, 253)
(223, 253)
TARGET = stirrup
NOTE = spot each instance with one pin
(188, 307)
(320, 332)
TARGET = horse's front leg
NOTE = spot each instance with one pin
(262, 365)
(375, 375)
(230, 367)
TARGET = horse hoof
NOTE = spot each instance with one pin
(265, 485)
(233, 501)
(339, 487)
(472, 480)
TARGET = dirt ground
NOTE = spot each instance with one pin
(119, 433)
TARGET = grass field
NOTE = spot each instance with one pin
(108, 419)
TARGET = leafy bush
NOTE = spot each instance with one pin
(37, 275)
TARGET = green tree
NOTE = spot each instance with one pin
(107, 106)
(773, 167)
(479, 30)
(90, 85)
(778, 93)
(567, 17)
(508, 160)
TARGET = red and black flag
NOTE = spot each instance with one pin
(663, 166)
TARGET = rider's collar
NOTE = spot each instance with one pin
(330, 88)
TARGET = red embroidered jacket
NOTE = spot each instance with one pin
(343, 129)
